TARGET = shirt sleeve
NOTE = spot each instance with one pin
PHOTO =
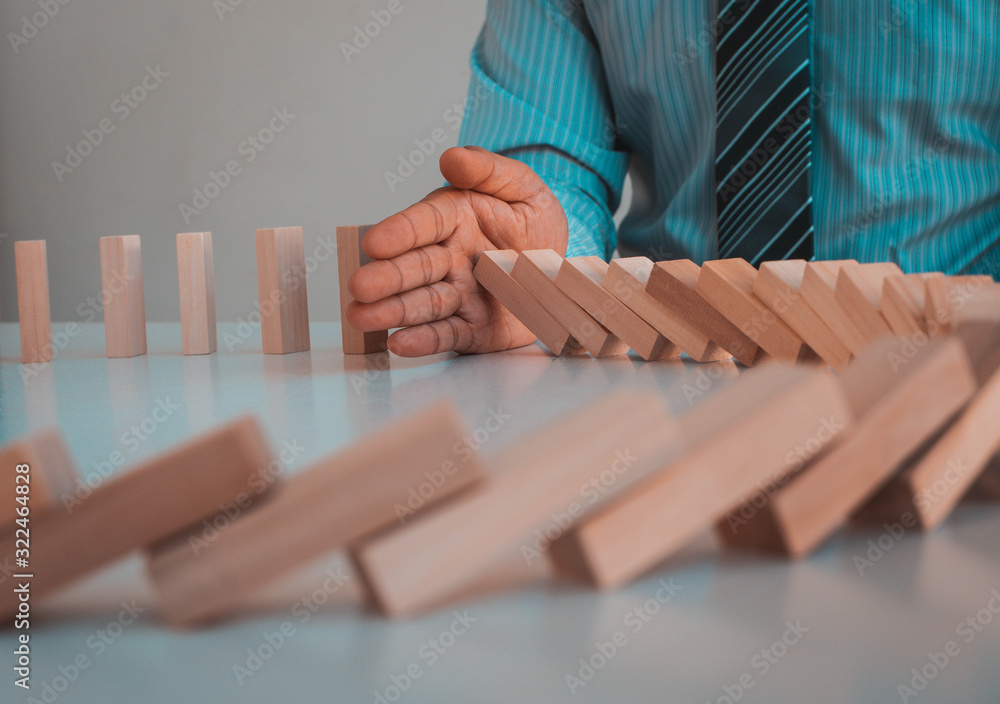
(538, 94)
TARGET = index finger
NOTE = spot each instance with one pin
(432, 220)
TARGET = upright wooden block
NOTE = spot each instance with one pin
(493, 272)
(727, 284)
(536, 272)
(627, 279)
(778, 285)
(351, 257)
(767, 422)
(582, 279)
(281, 284)
(944, 295)
(385, 479)
(124, 304)
(33, 308)
(540, 486)
(673, 284)
(859, 291)
(900, 400)
(819, 290)
(50, 477)
(145, 505)
(903, 303)
(196, 279)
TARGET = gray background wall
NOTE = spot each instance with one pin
(353, 121)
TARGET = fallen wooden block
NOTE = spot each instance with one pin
(582, 279)
(122, 293)
(900, 401)
(540, 487)
(977, 324)
(493, 271)
(281, 285)
(727, 284)
(196, 282)
(944, 295)
(51, 475)
(536, 272)
(903, 303)
(144, 505)
(769, 421)
(778, 285)
(859, 291)
(819, 290)
(33, 307)
(350, 258)
(385, 479)
(673, 285)
(627, 279)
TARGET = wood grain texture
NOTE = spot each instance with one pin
(493, 272)
(903, 303)
(627, 279)
(52, 474)
(351, 257)
(33, 307)
(122, 292)
(281, 286)
(385, 479)
(819, 290)
(859, 292)
(196, 283)
(140, 507)
(582, 279)
(727, 284)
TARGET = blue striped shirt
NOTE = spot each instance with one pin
(906, 123)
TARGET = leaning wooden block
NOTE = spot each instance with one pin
(627, 279)
(161, 497)
(196, 279)
(33, 308)
(977, 324)
(385, 479)
(727, 284)
(536, 271)
(124, 304)
(540, 487)
(582, 279)
(903, 303)
(51, 475)
(900, 399)
(351, 257)
(673, 285)
(944, 295)
(859, 291)
(765, 424)
(493, 271)
(281, 285)
(819, 290)
(778, 285)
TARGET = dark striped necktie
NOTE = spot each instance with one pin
(763, 138)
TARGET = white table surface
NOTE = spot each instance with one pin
(865, 632)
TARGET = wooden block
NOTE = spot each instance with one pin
(859, 292)
(900, 401)
(161, 497)
(281, 284)
(33, 308)
(944, 295)
(770, 419)
(819, 286)
(727, 284)
(536, 272)
(977, 324)
(196, 279)
(673, 285)
(627, 279)
(384, 479)
(778, 285)
(540, 486)
(124, 304)
(903, 303)
(493, 271)
(51, 474)
(582, 279)
(350, 258)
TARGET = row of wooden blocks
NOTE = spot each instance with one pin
(790, 452)
(790, 311)
(281, 287)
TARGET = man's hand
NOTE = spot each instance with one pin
(422, 278)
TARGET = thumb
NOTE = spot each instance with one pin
(475, 169)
